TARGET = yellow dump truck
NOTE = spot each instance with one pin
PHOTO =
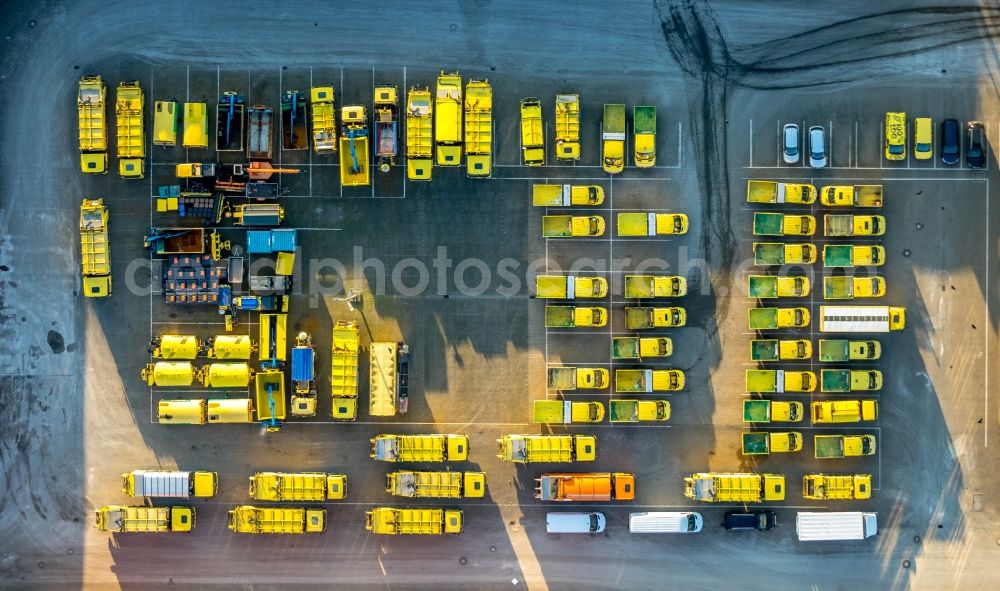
(394, 521)
(577, 378)
(532, 133)
(566, 195)
(448, 119)
(419, 130)
(843, 411)
(765, 350)
(640, 317)
(851, 195)
(175, 346)
(572, 226)
(655, 286)
(776, 318)
(195, 125)
(838, 446)
(524, 449)
(763, 287)
(772, 254)
(324, 124)
(772, 411)
(303, 376)
(636, 348)
(779, 381)
(436, 485)
(849, 288)
(129, 102)
(775, 192)
(344, 370)
(762, 443)
(648, 223)
(247, 519)
(479, 129)
(567, 412)
(170, 484)
(836, 487)
(420, 448)
(230, 347)
(568, 126)
(91, 106)
(636, 411)
(766, 223)
(301, 487)
(575, 316)
(125, 519)
(383, 370)
(569, 287)
(644, 136)
(613, 138)
(714, 487)
(646, 381)
(95, 248)
(853, 255)
(355, 161)
(839, 225)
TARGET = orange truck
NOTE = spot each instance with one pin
(585, 486)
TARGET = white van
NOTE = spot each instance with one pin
(665, 522)
(575, 523)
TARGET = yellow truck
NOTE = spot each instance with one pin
(566, 412)
(195, 125)
(532, 133)
(301, 487)
(641, 317)
(770, 254)
(129, 103)
(647, 381)
(478, 129)
(126, 519)
(419, 126)
(170, 484)
(776, 192)
(851, 195)
(783, 224)
(344, 370)
(382, 379)
(436, 485)
(638, 411)
(777, 318)
(247, 519)
(91, 106)
(181, 412)
(572, 226)
(644, 136)
(840, 225)
(420, 448)
(568, 126)
(167, 374)
(566, 195)
(575, 316)
(175, 346)
(655, 286)
(762, 443)
(843, 411)
(396, 521)
(765, 287)
(779, 380)
(849, 288)
(895, 136)
(715, 487)
(165, 123)
(577, 378)
(853, 255)
(766, 350)
(841, 350)
(613, 139)
(861, 319)
(838, 446)
(95, 248)
(648, 223)
(355, 161)
(448, 119)
(524, 449)
(569, 287)
(836, 487)
(850, 380)
(324, 119)
(636, 348)
(757, 410)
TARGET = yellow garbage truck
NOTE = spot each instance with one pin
(344, 370)
(448, 119)
(395, 521)
(436, 485)
(129, 102)
(247, 519)
(568, 127)
(715, 487)
(524, 449)
(91, 106)
(569, 287)
(420, 448)
(95, 248)
(532, 133)
(301, 487)
(479, 129)
(143, 520)
(836, 487)
(170, 484)
(419, 129)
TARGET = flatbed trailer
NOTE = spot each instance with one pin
(230, 118)
(260, 130)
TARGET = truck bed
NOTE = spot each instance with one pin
(757, 411)
(229, 125)
(838, 255)
(764, 350)
(829, 446)
(768, 224)
(833, 350)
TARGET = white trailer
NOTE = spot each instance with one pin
(861, 318)
(832, 525)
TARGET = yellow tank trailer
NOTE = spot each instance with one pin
(172, 484)
(167, 374)
(393, 521)
(225, 375)
(129, 103)
(305, 486)
(165, 123)
(125, 519)
(247, 519)
(227, 347)
(181, 412)
(230, 410)
(175, 346)
(419, 143)
(91, 105)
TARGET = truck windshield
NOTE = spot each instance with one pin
(895, 148)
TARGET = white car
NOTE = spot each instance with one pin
(790, 143)
(817, 147)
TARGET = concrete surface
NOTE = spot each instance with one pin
(724, 77)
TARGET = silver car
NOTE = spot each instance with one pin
(817, 147)
(790, 150)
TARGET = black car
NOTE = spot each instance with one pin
(747, 520)
(949, 141)
(975, 150)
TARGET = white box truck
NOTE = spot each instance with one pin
(832, 525)
(861, 318)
